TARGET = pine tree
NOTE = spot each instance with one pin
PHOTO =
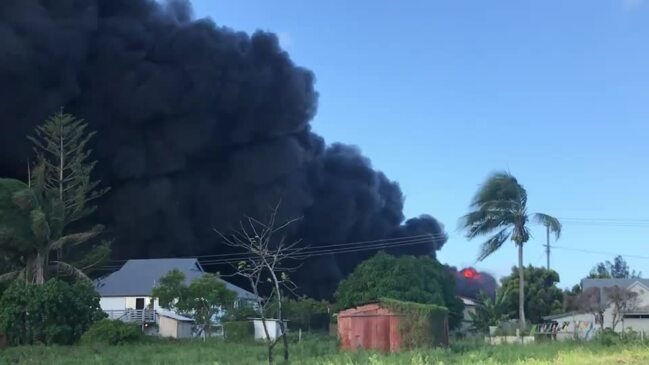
(61, 147)
(60, 192)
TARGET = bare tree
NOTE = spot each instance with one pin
(590, 301)
(268, 254)
(621, 301)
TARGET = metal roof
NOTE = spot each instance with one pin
(139, 277)
(175, 316)
(607, 283)
(560, 315)
(468, 302)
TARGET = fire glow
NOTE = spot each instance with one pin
(470, 273)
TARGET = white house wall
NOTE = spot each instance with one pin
(122, 303)
(112, 303)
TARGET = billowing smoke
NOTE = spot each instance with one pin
(198, 125)
(469, 283)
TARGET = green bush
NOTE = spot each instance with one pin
(238, 331)
(112, 332)
(422, 325)
(241, 313)
(53, 313)
(305, 313)
(607, 337)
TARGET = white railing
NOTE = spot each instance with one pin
(132, 315)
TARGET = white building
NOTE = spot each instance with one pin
(272, 326)
(127, 293)
(469, 307)
(585, 325)
(174, 325)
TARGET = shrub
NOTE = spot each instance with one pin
(607, 337)
(53, 313)
(112, 332)
(238, 331)
(421, 325)
(241, 313)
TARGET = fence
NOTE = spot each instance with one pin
(132, 315)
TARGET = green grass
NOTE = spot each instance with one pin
(324, 350)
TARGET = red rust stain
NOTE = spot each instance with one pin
(369, 327)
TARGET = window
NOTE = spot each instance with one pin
(636, 316)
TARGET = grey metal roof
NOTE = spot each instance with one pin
(560, 315)
(608, 283)
(175, 316)
(138, 277)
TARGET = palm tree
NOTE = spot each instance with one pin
(31, 227)
(488, 312)
(500, 210)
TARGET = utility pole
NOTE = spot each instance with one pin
(547, 245)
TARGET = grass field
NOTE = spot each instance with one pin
(324, 351)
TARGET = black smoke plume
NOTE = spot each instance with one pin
(470, 287)
(198, 125)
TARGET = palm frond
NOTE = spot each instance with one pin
(69, 269)
(500, 187)
(549, 221)
(75, 239)
(485, 221)
(493, 243)
(10, 276)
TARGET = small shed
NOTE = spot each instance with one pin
(174, 325)
(389, 325)
(272, 325)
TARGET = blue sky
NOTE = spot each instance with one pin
(441, 93)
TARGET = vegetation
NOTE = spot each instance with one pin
(618, 269)
(620, 300)
(305, 313)
(407, 278)
(269, 261)
(112, 332)
(239, 331)
(53, 313)
(240, 313)
(500, 210)
(596, 301)
(202, 299)
(36, 216)
(488, 312)
(543, 296)
(324, 351)
(422, 325)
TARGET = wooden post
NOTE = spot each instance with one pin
(299, 335)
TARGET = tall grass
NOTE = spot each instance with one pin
(323, 350)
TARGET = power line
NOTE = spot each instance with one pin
(600, 252)
(305, 255)
(641, 220)
(425, 237)
(319, 251)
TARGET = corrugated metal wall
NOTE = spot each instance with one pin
(376, 328)
(369, 327)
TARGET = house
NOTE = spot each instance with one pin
(584, 325)
(127, 293)
(469, 307)
(174, 325)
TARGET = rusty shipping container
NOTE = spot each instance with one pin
(369, 327)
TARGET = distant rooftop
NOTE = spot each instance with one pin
(139, 277)
(607, 283)
(468, 302)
